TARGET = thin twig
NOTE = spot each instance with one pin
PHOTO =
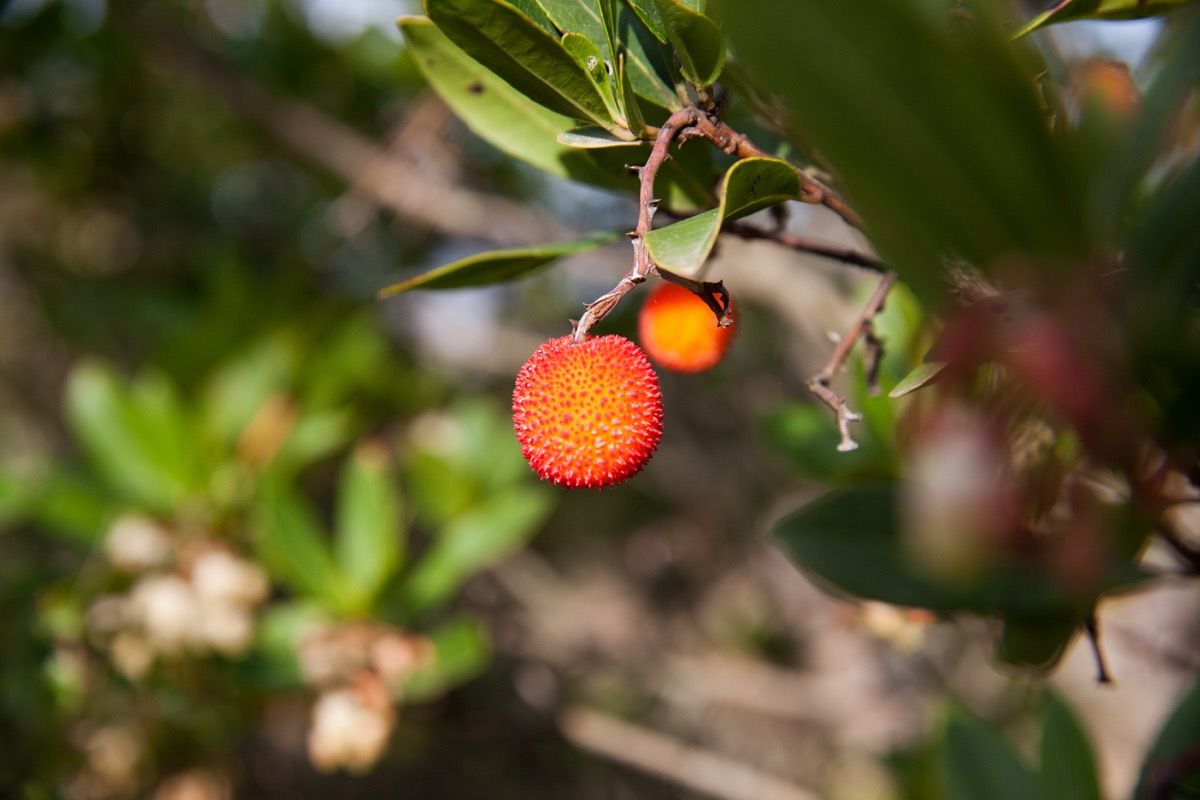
(819, 384)
(804, 244)
(1092, 628)
(658, 754)
(643, 265)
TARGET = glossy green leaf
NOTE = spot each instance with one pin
(119, 437)
(979, 764)
(292, 546)
(498, 113)
(1179, 735)
(647, 12)
(588, 56)
(939, 142)
(496, 266)
(582, 17)
(750, 185)
(651, 70)
(851, 538)
(534, 10)
(368, 543)
(922, 375)
(591, 137)
(1069, 10)
(1067, 764)
(1036, 642)
(523, 129)
(474, 540)
(461, 652)
(512, 46)
(698, 41)
(630, 107)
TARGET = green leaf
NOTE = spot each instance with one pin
(501, 115)
(533, 62)
(239, 387)
(1069, 10)
(460, 653)
(590, 137)
(119, 437)
(647, 12)
(922, 375)
(315, 436)
(697, 40)
(533, 10)
(368, 543)
(1036, 642)
(978, 764)
(582, 17)
(651, 71)
(292, 546)
(474, 540)
(852, 539)
(70, 505)
(939, 139)
(591, 60)
(750, 185)
(495, 266)
(1068, 765)
(1179, 735)
(630, 107)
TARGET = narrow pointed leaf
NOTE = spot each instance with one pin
(697, 40)
(647, 12)
(1099, 9)
(368, 543)
(750, 185)
(630, 108)
(593, 138)
(651, 71)
(922, 375)
(525, 130)
(292, 547)
(515, 48)
(496, 266)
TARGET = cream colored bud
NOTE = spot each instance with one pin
(196, 784)
(168, 610)
(131, 655)
(219, 576)
(137, 544)
(226, 628)
(347, 733)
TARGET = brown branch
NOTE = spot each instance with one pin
(734, 143)
(648, 750)
(1092, 628)
(643, 265)
(819, 384)
(804, 244)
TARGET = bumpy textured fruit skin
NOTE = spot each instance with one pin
(680, 332)
(587, 414)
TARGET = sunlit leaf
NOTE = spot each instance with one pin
(508, 43)
(496, 266)
(592, 137)
(1068, 10)
(922, 375)
(750, 185)
(292, 546)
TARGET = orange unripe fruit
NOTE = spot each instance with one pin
(680, 331)
(589, 413)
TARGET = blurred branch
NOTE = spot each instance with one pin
(862, 328)
(393, 182)
(805, 244)
(654, 752)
